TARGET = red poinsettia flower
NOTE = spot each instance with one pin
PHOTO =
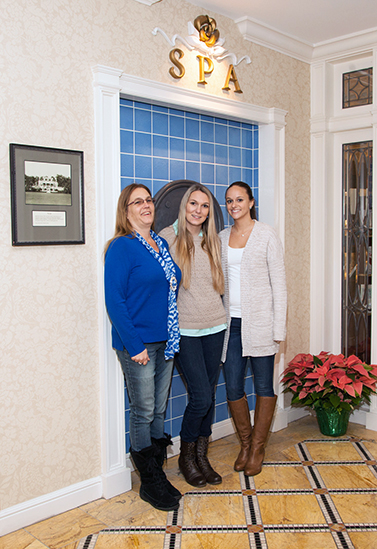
(329, 381)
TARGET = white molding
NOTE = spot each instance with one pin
(142, 88)
(272, 38)
(115, 475)
(108, 85)
(357, 43)
(41, 508)
(148, 2)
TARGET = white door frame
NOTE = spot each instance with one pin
(109, 84)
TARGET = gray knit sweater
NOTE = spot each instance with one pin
(263, 291)
(200, 306)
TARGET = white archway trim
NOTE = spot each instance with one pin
(331, 127)
(109, 84)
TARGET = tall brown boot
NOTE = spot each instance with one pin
(240, 413)
(264, 412)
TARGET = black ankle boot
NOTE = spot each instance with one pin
(161, 445)
(188, 466)
(204, 465)
(153, 488)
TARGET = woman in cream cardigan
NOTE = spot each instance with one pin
(255, 301)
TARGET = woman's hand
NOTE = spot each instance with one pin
(141, 358)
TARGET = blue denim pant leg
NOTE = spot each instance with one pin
(234, 367)
(148, 391)
(199, 362)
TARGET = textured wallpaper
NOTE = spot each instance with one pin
(49, 392)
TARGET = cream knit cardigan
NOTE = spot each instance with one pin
(263, 291)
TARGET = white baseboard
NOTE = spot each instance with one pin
(371, 421)
(117, 482)
(43, 507)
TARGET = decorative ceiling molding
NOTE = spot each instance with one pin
(148, 2)
(263, 35)
(266, 36)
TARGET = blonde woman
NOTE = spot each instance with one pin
(195, 247)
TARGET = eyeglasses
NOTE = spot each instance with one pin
(140, 201)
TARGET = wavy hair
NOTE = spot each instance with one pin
(123, 226)
(210, 242)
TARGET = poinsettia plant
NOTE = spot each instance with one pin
(329, 381)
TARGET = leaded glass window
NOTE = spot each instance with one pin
(357, 88)
(357, 249)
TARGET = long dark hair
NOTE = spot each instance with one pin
(253, 213)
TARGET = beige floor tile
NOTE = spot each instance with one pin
(360, 508)
(347, 476)
(290, 509)
(213, 510)
(125, 510)
(65, 528)
(20, 540)
(371, 447)
(130, 541)
(215, 541)
(332, 451)
(364, 540)
(281, 478)
(300, 540)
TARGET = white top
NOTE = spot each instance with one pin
(234, 273)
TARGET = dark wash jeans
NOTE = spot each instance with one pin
(199, 361)
(234, 367)
(148, 390)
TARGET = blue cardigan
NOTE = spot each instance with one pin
(136, 295)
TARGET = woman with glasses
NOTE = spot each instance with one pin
(141, 284)
(255, 300)
(195, 246)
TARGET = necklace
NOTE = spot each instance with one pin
(246, 232)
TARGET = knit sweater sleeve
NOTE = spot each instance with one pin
(276, 268)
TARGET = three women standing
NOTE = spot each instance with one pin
(255, 300)
(195, 246)
(141, 284)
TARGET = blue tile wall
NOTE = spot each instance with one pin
(159, 145)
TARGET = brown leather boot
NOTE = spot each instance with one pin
(264, 412)
(240, 413)
(188, 465)
(204, 465)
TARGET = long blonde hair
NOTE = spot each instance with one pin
(210, 243)
(123, 226)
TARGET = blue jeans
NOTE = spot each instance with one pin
(199, 361)
(148, 391)
(234, 367)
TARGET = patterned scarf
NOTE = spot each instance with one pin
(167, 264)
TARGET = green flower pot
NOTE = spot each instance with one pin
(331, 422)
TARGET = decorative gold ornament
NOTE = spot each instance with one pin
(206, 27)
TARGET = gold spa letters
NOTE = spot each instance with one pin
(206, 67)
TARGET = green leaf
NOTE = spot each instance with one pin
(335, 400)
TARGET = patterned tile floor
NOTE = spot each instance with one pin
(314, 492)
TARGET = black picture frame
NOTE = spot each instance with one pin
(47, 195)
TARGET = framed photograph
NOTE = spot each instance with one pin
(47, 196)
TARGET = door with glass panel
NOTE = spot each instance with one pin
(357, 249)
